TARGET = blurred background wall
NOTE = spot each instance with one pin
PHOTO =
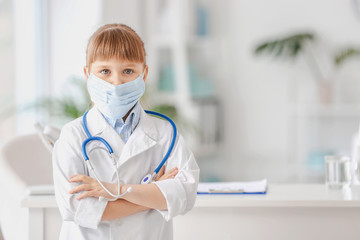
(246, 117)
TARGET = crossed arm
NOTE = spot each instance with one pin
(142, 197)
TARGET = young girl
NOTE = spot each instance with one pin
(116, 72)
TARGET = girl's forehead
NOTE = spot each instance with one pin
(116, 61)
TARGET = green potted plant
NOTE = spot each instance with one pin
(291, 47)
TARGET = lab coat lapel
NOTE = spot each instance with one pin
(99, 127)
(143, 138)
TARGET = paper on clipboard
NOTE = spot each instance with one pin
(254, 187)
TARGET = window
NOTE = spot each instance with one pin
(7, 86)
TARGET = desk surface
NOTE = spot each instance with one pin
(287, 195)
(278, 195)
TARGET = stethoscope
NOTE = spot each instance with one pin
(147, 179)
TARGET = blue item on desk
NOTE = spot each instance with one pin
(229, 193)
(254, 187)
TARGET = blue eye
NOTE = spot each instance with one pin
(105, 71)
(128, 71)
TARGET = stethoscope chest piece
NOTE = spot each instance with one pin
(146, 179)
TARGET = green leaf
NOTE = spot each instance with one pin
(168, 110)
(289, 46)
(345, 54)
(72, 104)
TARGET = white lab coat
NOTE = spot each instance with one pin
(139, 156)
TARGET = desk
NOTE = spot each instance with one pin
(289, 211)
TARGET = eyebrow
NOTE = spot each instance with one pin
(125, 65)
(130, 65)
(103, 66)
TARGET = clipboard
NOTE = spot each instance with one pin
(254, 187)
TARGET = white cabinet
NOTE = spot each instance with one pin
(318, 130)
(177, 41)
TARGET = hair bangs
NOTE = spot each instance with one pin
(118, 41)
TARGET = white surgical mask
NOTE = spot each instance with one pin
(114, 101)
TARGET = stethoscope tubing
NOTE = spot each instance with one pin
(86, 157)
(172, 141)
(91, 138)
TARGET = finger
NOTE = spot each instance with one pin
(172, 171)
(173, 175)
(79, 178)
(161, 173)
(162, 170)
(169, 175)
(76, 176)
(84, 195)
(82, 187)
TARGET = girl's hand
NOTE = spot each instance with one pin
(91, 187)
(168, 175)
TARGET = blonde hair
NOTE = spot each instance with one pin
(115, 40)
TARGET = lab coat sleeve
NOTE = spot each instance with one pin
(67, 161)
(180, 192)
